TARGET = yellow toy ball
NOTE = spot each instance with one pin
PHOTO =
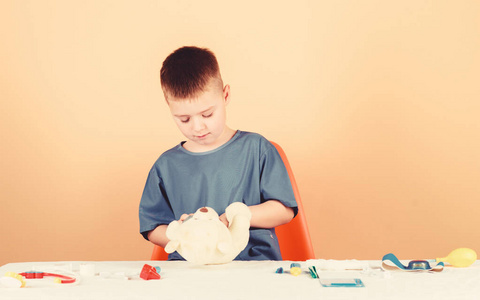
(461, 257)
(295, 271)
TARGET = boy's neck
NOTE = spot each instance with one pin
(192, 146)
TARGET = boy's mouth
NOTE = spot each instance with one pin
(202, 136)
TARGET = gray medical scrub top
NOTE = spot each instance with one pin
(246, 169)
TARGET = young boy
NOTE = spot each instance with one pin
(217, 165)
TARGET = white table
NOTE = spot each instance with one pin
(239, 280)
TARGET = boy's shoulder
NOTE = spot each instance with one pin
(253, 139)
(172, 151)
(168, 155)
(250, 135)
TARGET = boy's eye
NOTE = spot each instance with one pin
(185, 120)
(208, 115)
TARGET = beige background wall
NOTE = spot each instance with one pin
(375, 102)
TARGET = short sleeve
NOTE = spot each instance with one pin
(275, 182)
(155, 209)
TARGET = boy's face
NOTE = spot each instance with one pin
(202, 119)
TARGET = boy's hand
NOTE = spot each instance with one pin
(223, 219)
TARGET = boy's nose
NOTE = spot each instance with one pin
(198, 124)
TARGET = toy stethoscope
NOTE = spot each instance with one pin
(460, 258)
(17, 280)
(391, 262)
(39, 275)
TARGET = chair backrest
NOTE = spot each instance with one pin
(293, 237)
(159, 253)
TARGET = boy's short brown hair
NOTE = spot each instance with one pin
(187, 71)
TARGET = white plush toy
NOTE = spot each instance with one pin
(203, 239)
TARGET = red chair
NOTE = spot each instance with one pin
(293, 237)
(159, 253)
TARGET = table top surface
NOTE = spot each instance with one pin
(241, 280)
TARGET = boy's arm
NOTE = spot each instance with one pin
(269, 214)
(158, 236)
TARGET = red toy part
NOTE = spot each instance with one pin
(149, 272)
(32, 275)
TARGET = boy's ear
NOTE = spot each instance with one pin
(226, 94)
